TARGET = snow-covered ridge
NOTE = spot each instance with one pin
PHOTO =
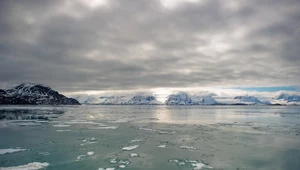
(36, 94)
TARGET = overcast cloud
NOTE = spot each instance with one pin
(73, 45)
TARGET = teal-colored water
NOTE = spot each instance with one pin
(161, 137)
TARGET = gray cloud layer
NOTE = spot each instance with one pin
(130, 44)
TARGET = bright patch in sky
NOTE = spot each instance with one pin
(94, 3)
(269, 89)
(170, 4)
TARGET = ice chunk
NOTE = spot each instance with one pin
(196, 164)
(134, 155)
(90, 153)
(199, 166)
(122, 166)
(129, 148)
(124, 162)
(187, 147)
(113, 161)
(80, 157)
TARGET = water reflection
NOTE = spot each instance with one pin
(29, 114)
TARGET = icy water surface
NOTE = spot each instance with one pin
(150, 137)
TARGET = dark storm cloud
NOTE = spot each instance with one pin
(129, 44)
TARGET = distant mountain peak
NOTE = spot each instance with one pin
(286, 98)
(247, 99)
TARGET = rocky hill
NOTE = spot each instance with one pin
(34, 94)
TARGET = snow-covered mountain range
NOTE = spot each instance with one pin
(35, 94)
(183, 98)
(138, 99)
(38, 94)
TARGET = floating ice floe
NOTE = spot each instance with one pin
(136, 140)
(88, 141)
(80, 157)
(84, 122)
(133, 155)
(30, 166)
(122, 166)
(129, 148)
(90, 153)
(42, 121)
(156, 130)
(121, 163)
(124, 162)
(44, 153)
(162, 146)
(61, 125)
(113, 161)
(61, 130)
(11, 150)
(196, 164)
(105, 127)
(30, 124)
(188, 147)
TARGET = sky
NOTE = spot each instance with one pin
(77, 46)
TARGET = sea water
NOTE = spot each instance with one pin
(150, 137)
